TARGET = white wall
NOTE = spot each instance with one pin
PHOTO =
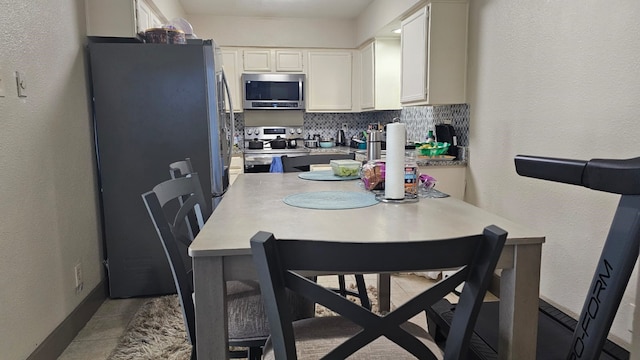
(378, 15)
(274, 32)
(48, 211)
(554, 78)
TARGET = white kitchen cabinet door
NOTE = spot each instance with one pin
(257, 60)
(380, 75)
(367, 77)
(329, 81)
(146, 17)
(450, 180)
(289, 60)
(434, 54)
(231, 67)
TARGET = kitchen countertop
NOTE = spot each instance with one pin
(421, 161)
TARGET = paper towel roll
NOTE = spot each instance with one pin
(394, 169)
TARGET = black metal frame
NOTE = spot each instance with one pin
(620, 251)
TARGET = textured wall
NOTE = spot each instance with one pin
(554, 78)
(48, 216)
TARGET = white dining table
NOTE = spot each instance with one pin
(221, 250)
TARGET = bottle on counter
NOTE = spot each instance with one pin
(431, 138)
(410, 174)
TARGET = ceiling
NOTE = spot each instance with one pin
(319, 9)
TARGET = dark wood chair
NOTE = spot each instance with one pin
(357, 333)
(303, 163)
(169, 204)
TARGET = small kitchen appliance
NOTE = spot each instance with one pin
(446, 133)
(272, 91)
(340, 138)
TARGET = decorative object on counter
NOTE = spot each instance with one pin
(325, 175)
(426, 187)
(394, 172)
(331, 200)
(156, 36)
(374, 144)
(340, 138)
(358, 144)
(345, 168)
(431, 138)
(433, 148)
(410, 175)
(183, 25)
(372, 175)
(426, 182)
(327, 144)
(165, 35)
(310, 143)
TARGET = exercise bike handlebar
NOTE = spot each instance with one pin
(609, 175)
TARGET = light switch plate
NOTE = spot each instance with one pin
(21, 83)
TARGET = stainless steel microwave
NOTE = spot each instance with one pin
(273, 91)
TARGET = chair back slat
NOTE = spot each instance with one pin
(381, 257)
(285, 264)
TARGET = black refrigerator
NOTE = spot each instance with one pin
(153, 104)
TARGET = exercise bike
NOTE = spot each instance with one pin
(589, 332)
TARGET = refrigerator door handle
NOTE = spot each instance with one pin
(231, 115)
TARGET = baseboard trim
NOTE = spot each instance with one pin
(55, 344)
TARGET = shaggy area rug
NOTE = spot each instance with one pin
(157, 330)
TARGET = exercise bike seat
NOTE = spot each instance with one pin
(609, 175)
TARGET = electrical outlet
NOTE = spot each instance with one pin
(78, 273)
(345, 127)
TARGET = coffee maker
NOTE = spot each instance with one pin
(446, 133)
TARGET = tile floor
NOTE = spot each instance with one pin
(100, 336)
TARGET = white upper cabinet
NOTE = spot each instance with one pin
(434, 54)
(289, 60)
(380, 75)
(230, 64)
(329, 79)
(146, 17)
(257, 60)
(273, 60)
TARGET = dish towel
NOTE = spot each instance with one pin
(276, 165)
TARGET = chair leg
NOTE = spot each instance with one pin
(343, 288)
(362, 292)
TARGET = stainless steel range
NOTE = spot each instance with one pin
(259, 160)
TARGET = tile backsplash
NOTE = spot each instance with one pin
(419, 119)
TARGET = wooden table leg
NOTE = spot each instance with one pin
(211, 313)
(519, 292)
(384, 292)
